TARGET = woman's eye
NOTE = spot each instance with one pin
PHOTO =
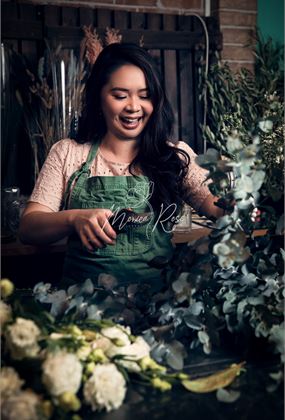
(145, 97)
(120, 97)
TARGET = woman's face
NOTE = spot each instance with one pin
(125, 103)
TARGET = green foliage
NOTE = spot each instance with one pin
(250, 104)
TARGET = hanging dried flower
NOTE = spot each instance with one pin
(112, 36)
(91, 44)
(141, 41)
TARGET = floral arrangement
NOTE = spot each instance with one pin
(230, 283)
(54, 368)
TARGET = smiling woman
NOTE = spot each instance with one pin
(127, 107)
(124, 158)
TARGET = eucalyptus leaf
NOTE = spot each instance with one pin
(280, 225)
(228, 307)
(93, 312)
(245, 183)
(41, 291)
(196, 308)
(58, 303)
(227, 396)
(87, 287)
(258, 300)
(193, 322)
(159, 352)
(107, 281)
(234, 144)
(175, 355)
(266, 126)
(203, 337)
(258, 179)
(223, 221)
(210, 157)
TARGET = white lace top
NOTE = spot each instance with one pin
(66, 156)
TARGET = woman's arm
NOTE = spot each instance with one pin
(40, 225)
(200, 197)
(209, 209)
(43, 223)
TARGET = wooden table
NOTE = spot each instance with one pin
(16, 248)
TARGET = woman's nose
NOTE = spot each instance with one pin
(133, 105)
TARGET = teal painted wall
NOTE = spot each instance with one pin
(270, 19)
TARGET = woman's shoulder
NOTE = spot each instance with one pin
(69, 147)
(185, 147)
(69, 144)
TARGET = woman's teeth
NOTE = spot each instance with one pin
(130, 123)
(130, 120)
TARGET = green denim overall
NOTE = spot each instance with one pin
(128, 259)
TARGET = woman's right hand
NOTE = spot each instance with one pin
(93, 228)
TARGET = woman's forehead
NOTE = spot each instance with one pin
(126, 76)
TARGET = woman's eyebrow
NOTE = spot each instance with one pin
(127, 90)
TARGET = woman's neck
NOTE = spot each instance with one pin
(117, 150)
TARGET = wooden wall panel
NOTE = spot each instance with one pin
(171, 75)
(121, 19)
(86, 17)
(176, 43)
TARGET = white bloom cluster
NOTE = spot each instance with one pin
(22, 339)
(10, 382)
(101, 343)
(106, 388)
(116, 341)
(132, 352)
(5, 313)
(118, 333)
(62, 372)
(24, 405)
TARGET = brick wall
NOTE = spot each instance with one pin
(237, 19)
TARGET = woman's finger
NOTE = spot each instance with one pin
(90, 241)
(102, 230)
(107, 228)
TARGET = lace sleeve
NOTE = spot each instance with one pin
(196, 179)
(50, 185)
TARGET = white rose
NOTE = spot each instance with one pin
(22, 339)
(24, 405)
(102, 343)
(5, 313)
(10, 382)
(120, 334)
(62, 372)
(106, 388)
(135, 351)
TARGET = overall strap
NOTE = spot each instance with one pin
(84, 169)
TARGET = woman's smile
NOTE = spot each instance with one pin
(131, 123)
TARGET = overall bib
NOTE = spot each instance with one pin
(128, 259)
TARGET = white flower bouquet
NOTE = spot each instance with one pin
(55, 369)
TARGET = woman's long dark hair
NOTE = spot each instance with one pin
(156, 158)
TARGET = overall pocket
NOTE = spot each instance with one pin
(133, 240)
